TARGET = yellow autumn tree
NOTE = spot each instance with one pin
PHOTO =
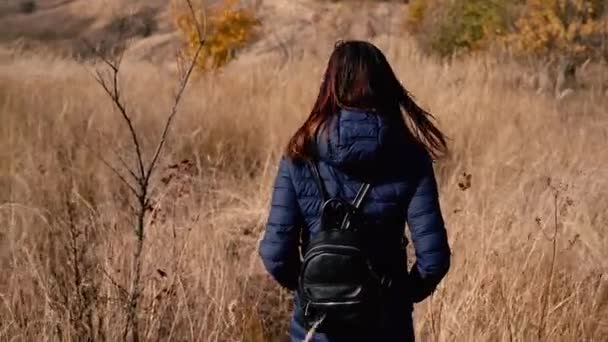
(574, 28)
(226, 28)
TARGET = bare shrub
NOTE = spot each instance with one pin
(28, 7)
(139, 176)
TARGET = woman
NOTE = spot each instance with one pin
(356, 133)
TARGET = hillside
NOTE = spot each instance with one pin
(290, 27)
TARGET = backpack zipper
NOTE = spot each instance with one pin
(310, 252)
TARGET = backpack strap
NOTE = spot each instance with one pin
(318, 180)
(363, 190)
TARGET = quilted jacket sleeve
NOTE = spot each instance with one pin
(279, 247)
(429, 236)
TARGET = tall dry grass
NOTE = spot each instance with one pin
(65, 221)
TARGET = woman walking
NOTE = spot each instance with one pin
(366, 142)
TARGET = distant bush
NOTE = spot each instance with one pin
(529, 27)
(449, 27)
(227, 28)
(416, 13)
(142, 23)
(574, 28)
(28, 7)
(471, 24)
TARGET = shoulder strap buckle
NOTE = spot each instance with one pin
(363, 190)
(357, 201)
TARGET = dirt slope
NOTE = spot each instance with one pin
(291, 27)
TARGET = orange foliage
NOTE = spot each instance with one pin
(226, 29)
(575, 28)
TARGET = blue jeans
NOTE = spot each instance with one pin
(402, 331)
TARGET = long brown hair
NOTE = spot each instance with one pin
(358, 76)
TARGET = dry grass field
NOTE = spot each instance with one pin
(527, 227)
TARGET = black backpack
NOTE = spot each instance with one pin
(338, 288)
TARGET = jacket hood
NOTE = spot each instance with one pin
(359, 140)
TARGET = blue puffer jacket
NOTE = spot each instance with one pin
(360, 147)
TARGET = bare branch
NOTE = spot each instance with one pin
(138, 152)
(201, 39)
(133, 190)
(121, 52)
(135, 177)
(178, 96)
(124, 164)
(113, 91)
(123, 292)
(120, 159)
(113, 169)
(99, 77)
(176, 102)
(110, 64)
